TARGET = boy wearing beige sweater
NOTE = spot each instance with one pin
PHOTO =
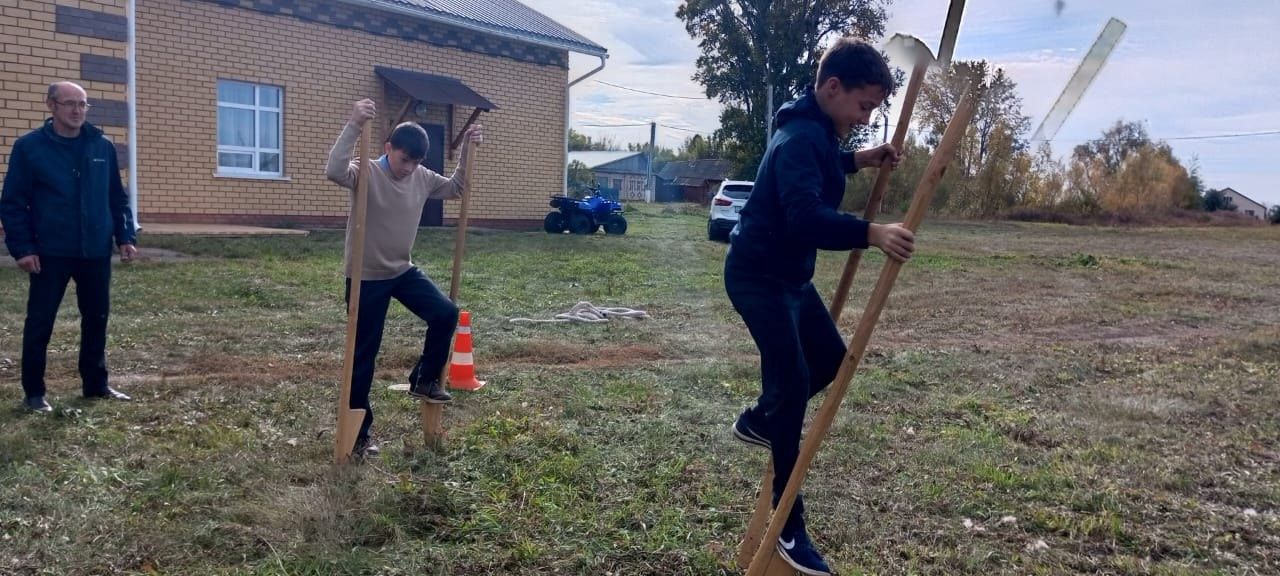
(399, 187)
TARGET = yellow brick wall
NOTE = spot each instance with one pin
(33, 55)
(184, 47)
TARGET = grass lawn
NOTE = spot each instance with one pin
(1090, 400)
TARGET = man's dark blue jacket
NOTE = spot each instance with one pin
(63, 196)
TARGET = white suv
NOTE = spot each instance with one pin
(725, 206)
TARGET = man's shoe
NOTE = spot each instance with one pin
(109, 394)
(742, 430)
(366, 448)
(37, 404)
(798, 551)
(427, 387)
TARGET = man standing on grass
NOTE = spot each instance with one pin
(62, 208)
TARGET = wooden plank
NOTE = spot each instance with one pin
(350, 420)
(457, 141)
(433, 414)
(404, 113)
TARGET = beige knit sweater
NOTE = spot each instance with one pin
(395, 206)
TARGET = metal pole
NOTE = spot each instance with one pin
(650, 192)
(132, 91)
(768, 113)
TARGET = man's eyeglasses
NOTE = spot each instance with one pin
(77, 104)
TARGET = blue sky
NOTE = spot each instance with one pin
(1185, 68)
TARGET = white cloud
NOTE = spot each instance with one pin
(649, 50)
(1184, 68)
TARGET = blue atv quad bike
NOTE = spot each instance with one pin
(585, 215)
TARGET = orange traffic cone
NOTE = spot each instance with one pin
(462, 369)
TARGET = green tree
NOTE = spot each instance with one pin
(580, 178)
(992, 167)
(1196, 182)
(1125, 170)
(1115, 145)
(749, 46)
(1275, 214)
(1215, 200)
(579, 142)
(999, 113)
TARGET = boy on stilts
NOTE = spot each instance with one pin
(399, 187)
(792, 213)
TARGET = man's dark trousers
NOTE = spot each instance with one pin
(93, 296)
(424, 300)
(800, 352)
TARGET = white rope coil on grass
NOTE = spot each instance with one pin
(587, 312)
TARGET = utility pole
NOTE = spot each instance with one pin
(768, 112)
(651, 191)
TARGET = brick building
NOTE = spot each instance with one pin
(239, 101)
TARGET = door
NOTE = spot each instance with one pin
(433, 212)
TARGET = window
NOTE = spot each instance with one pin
(737, 191)
(249, 126)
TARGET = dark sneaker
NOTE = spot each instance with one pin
(366, 448)
(431, 392)
(427, 388)
(109, 394)
(37, 404)
(743, 430)
(798, 551)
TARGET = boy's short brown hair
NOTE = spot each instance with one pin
(855, 63)
(411, 139)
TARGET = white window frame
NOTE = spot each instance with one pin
(256, 150)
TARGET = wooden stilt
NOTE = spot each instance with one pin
(432, 424)
(759, 518)
(779, 567)
(433, 414)
(350, 420)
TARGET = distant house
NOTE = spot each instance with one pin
(1244, 205)
(623, 174)
(692, 180)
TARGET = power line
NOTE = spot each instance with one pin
(646, 124)
(1237, 135)
(681, 129)
(1178, 138)
(639, 91)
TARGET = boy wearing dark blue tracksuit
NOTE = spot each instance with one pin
(768, 271)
